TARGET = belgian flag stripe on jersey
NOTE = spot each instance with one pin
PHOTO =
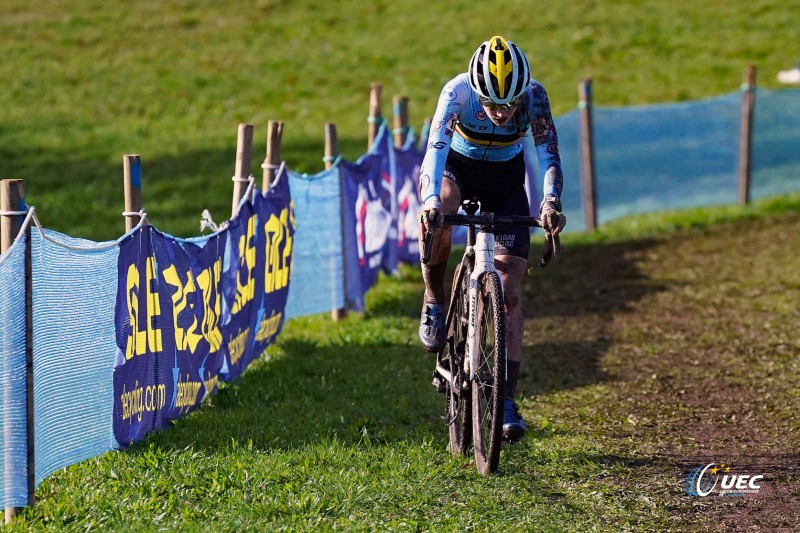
(486, 139)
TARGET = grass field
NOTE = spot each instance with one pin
(645, 356)
(659, 344)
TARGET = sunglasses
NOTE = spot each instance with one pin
(487, 103)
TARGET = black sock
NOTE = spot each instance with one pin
(511, 378)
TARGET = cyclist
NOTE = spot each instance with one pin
(475, 150)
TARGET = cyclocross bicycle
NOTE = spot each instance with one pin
(471, 367)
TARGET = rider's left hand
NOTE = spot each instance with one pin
(550, 214)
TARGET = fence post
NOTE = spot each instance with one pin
(12, 194)
(132, 186)
(746, 133)
(331, 144)
(241, 175)
(331, 153)
(400, 112)
(273, 159)
(12, 200)
(589, 198)
(375, 118)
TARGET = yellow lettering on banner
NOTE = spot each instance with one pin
(237, 345)
(247, 260)
(187, 393)
(153, 307)
(269, 327)
(185, 338)
(139, 341)
(141, 400)
(209, 384)
(276, 269)
(209, 280)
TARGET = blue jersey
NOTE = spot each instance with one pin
(461, 124)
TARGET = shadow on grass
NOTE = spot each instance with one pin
(357, 386)
(568, 309)
(373, 392)
(360, 387)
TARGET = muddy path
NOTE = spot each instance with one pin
(678, 352)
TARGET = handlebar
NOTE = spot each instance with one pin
(488, 222)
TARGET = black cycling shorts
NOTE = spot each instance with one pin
(500, 188)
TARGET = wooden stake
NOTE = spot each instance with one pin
(746, 134)
(241, 175)
(12, 199)
(12, 196)
(375, 118)
(331, 144)
(273, 159)
(589, 197)
(132, 186)
(400, 112)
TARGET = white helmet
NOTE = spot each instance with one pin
(499, 72)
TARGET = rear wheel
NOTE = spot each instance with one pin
(489, 381)
(458, 403)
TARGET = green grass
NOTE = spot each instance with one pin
(659, 342)
(85, 81)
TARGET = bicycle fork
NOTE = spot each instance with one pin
(484, 262)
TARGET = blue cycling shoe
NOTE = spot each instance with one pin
(513, 426)
(431, 327)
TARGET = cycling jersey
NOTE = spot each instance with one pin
(461, 124)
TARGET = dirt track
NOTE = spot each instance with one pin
(687, 350)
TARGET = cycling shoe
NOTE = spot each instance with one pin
(431, 327)
(513, 426)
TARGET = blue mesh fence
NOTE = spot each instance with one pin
(13, 416)
(672, 156)
(74, 293)
(776, 143)
(317, 270)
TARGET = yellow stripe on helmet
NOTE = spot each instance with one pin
(499, 67)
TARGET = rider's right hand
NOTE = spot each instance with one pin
(429, 216)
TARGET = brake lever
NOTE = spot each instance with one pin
(552, 250)
(426, 247)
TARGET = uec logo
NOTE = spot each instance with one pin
(702, 481)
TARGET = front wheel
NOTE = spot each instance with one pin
(458, 405)
(488, 387)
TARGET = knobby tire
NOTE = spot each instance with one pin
(488, 387)
(458, 413)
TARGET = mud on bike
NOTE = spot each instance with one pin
(471, 367)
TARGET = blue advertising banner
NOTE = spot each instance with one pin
(370, 231)
(367, 222)
(384, 149)
(190, 312)
(407, 165)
